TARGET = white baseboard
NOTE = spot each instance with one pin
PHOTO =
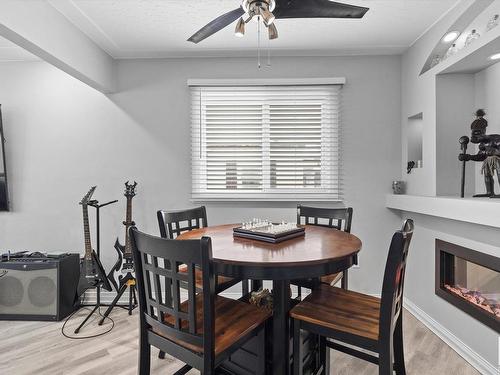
(476, 360)
(90, 297)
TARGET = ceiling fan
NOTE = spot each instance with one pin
(269, 10)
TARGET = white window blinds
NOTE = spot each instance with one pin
(266, 142)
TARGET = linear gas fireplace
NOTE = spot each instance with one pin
(470, 280)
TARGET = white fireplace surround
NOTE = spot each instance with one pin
(469, 222)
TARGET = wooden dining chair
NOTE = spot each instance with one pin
(336, 218)
(344, 317)
(174, 223)
(204, 329)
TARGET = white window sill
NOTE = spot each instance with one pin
(263, 199)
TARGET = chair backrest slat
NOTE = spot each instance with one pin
(192, 297)
(159, 280)
(174, 223)
(394, 277)
(335, 217)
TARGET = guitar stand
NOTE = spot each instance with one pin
(97, 206)
(130, 284)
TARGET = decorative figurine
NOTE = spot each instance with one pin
(489, 153)
(435, 60)
(398, 187)
(451, 51)
(474, 35)
(262, 298)
(492, 23)
(411, 164)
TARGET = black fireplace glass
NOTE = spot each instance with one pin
(476, 284)
(470, 280)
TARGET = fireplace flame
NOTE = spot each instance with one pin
(487, 302)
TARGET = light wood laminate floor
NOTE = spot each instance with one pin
(39, 348)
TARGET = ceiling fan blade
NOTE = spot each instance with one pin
(317, 9)
(216, 25)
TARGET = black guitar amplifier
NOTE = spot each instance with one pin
(39, 288)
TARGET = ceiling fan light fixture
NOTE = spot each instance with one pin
(247, 4)
(267, 16)
(273, 31)
(240, 28)
(270, 9)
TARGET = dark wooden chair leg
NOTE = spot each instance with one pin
(324, 356)
(344, 282)
(161, 354)
(130, 299)
(385, 366)
(297, 356)
(144, 355)
(244, 287)
(256, 285)
(183, 370)
(399, 357)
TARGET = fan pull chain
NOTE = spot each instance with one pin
(268, 53)
(258, 41)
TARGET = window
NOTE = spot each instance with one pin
(272, 142)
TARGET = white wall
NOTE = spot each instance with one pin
(26, 23)
(487, 92)
(455, 112)
(64, 137)
(487, 85)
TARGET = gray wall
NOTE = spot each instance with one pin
(63, 137)
(487, 92)
(454, 113)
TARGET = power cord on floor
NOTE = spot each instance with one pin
(90, 336)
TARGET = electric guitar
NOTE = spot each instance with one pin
(125, 264)
(92, 273)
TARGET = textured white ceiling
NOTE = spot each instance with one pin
(159, 28)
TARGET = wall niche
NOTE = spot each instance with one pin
(455, 105)
(414, 135)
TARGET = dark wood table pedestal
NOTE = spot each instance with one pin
(281, 326)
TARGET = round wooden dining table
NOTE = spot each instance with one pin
(321, 251)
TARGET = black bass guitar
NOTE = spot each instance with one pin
(92, 272)
(123, 270)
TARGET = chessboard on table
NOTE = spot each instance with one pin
(268, 232)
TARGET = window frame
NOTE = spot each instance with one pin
(266, 193)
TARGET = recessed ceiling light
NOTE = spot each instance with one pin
(450, 37)
(495, 56)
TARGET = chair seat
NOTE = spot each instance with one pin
(222, 282)
(340, 310)
(331, 279)
(233, 321)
